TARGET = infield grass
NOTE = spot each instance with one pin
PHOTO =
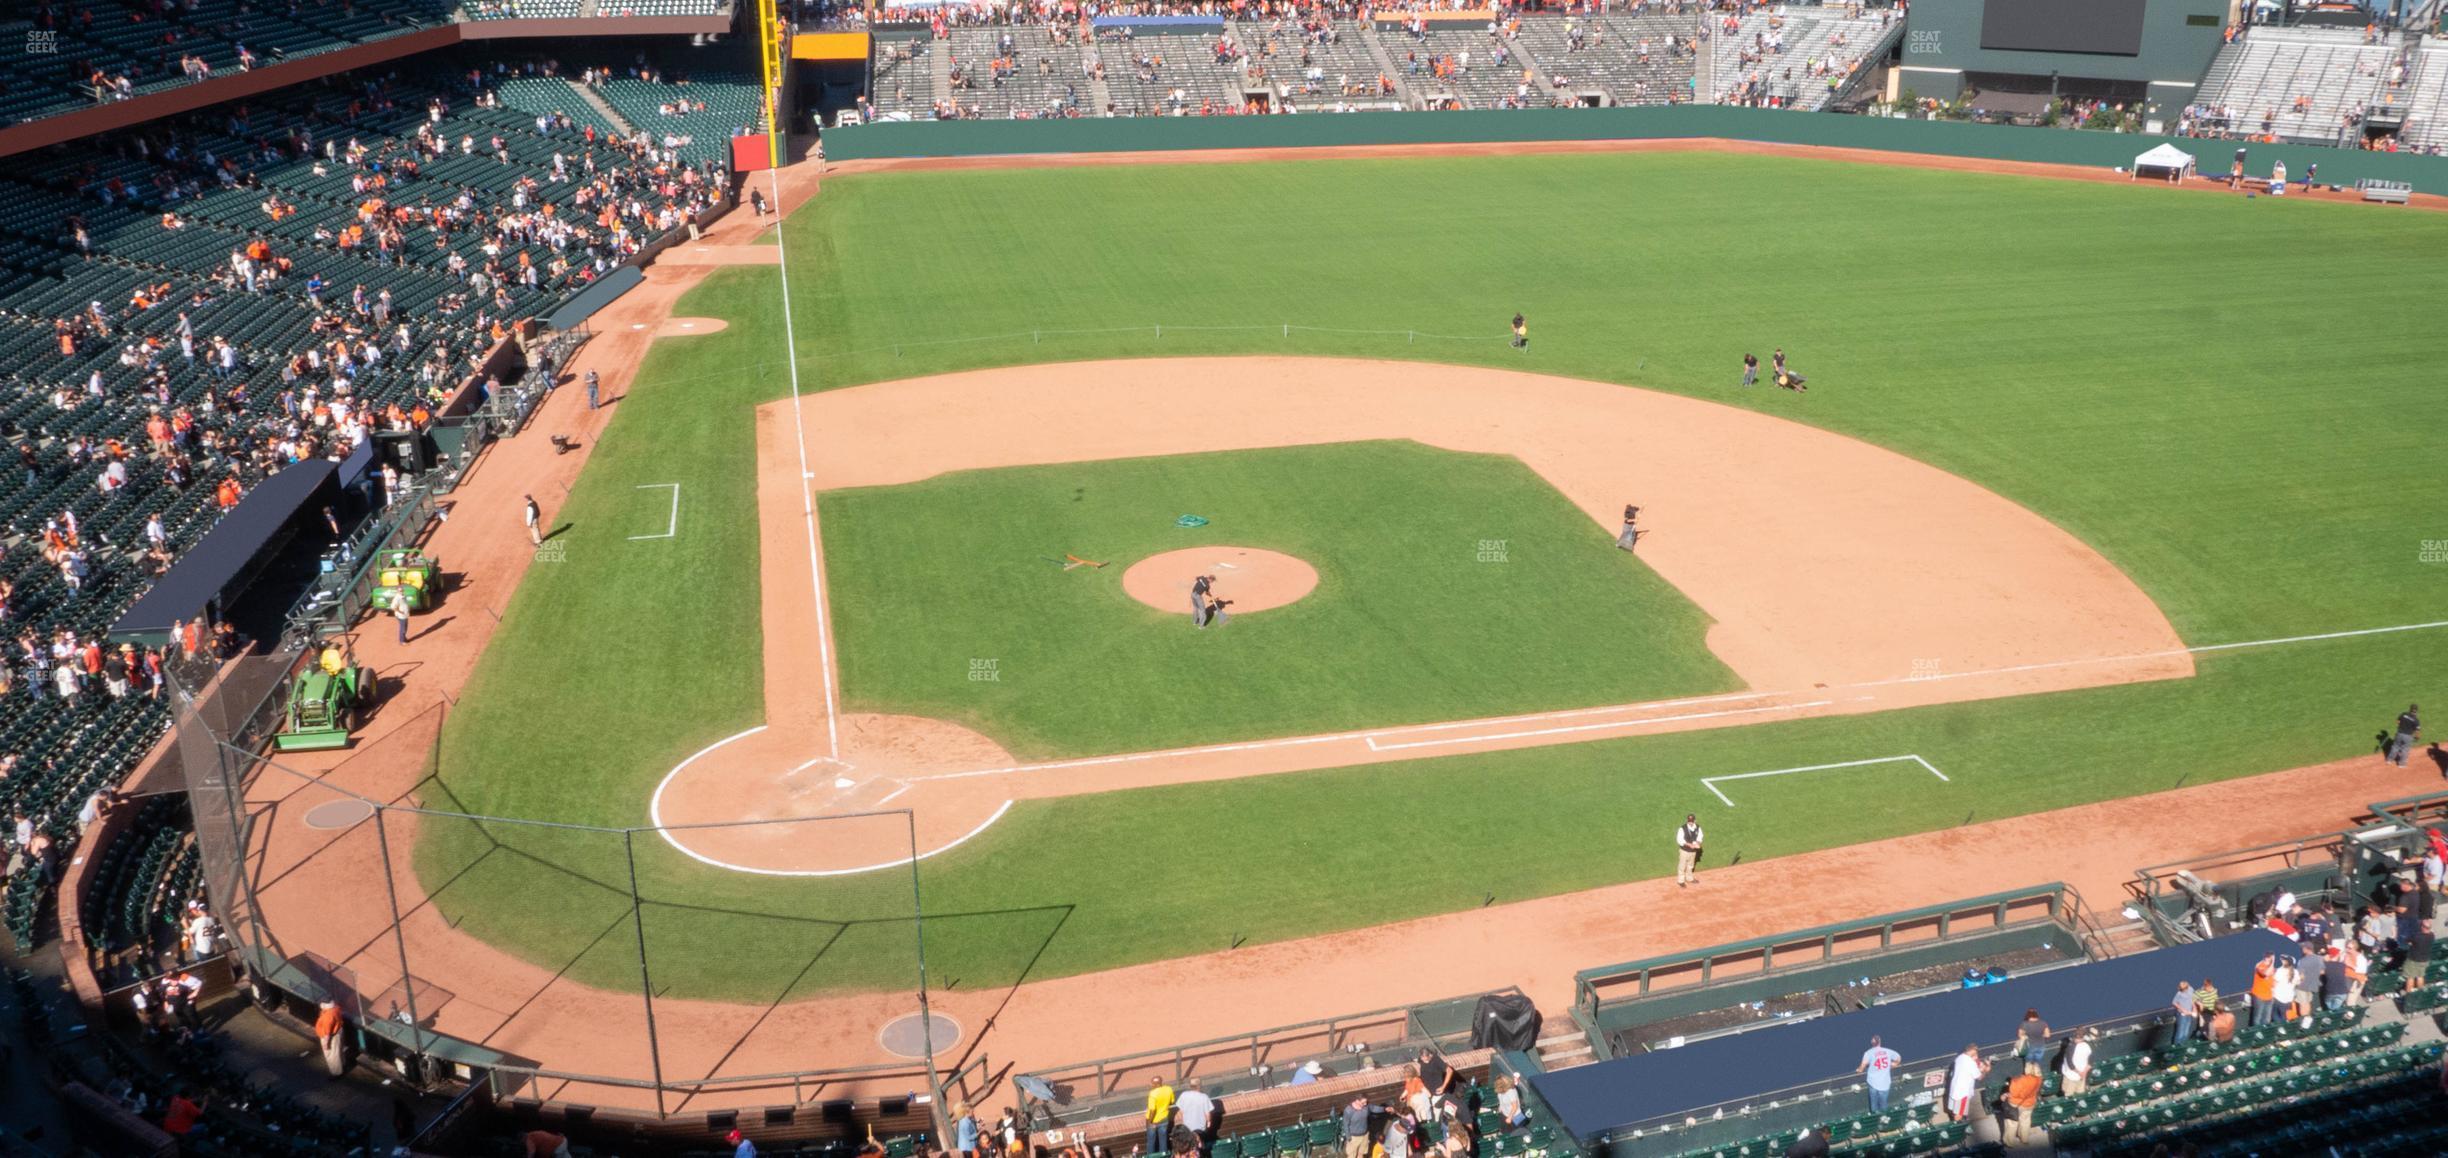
(1449, 586)
(2156, 371)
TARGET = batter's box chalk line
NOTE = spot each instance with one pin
(1711, 782)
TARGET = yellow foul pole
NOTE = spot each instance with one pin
(770, 35)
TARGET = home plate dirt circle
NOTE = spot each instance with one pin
(1253, 578)
(338, 814)
(910, 1034)
(759, 802)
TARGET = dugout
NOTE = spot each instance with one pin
(1103, 1099)
(1668, 1002)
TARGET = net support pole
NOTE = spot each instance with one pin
(926, 1015)
(399, 940)
(637, 921)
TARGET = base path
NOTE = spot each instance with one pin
(1842, 577)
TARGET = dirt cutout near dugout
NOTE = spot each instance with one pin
(1250, 579)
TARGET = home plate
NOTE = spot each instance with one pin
(844, 782)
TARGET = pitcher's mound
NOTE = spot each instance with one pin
(1253, 579)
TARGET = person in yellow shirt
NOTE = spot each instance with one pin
(1159, 1116)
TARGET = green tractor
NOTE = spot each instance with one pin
(405, 572)
(326, 700)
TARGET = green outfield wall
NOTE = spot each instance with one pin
(1942, 138)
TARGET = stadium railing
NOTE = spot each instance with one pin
(1377, 1039)
(1610, 999)
(2209, 895)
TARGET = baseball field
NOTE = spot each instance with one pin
(2084, 501)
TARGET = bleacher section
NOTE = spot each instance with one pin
(2304, 83)
(904, 80)
(1808, 54)
(1186, 64)
(2426, 126)
(1607, 58)
(1486, 72)
(1311, 71)
(1044, 79)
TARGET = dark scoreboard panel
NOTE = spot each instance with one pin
(2101, 27)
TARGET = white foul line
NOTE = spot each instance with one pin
(807, 492)
(2324, 635)
(674, 527)
(1374, 746)
(1710, 782)
(1371, 736)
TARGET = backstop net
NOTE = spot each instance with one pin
(619, 967)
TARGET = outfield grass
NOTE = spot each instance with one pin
(1409, 622)
(2155, 371)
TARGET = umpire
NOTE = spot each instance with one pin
(2409, 729)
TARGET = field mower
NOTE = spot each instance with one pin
(406, 571)
(325, 703)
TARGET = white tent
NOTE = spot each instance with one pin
(2169, 160)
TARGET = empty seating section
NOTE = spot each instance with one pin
(1043, 78)
(550, 95)
(1792, 57)
(1604, 55)
(1481, 71)
(1313, 70)
(904, 77)
(732, 102)
(1145, 73)
(139, 891)
(522, 9)
(2303, 84)
(2426, 125)
(663, 7)
(126, 40)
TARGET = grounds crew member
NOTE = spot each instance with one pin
(1687, 844)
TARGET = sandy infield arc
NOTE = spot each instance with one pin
(1842, 577)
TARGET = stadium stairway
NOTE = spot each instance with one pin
(604, 109)
(1403, 88)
